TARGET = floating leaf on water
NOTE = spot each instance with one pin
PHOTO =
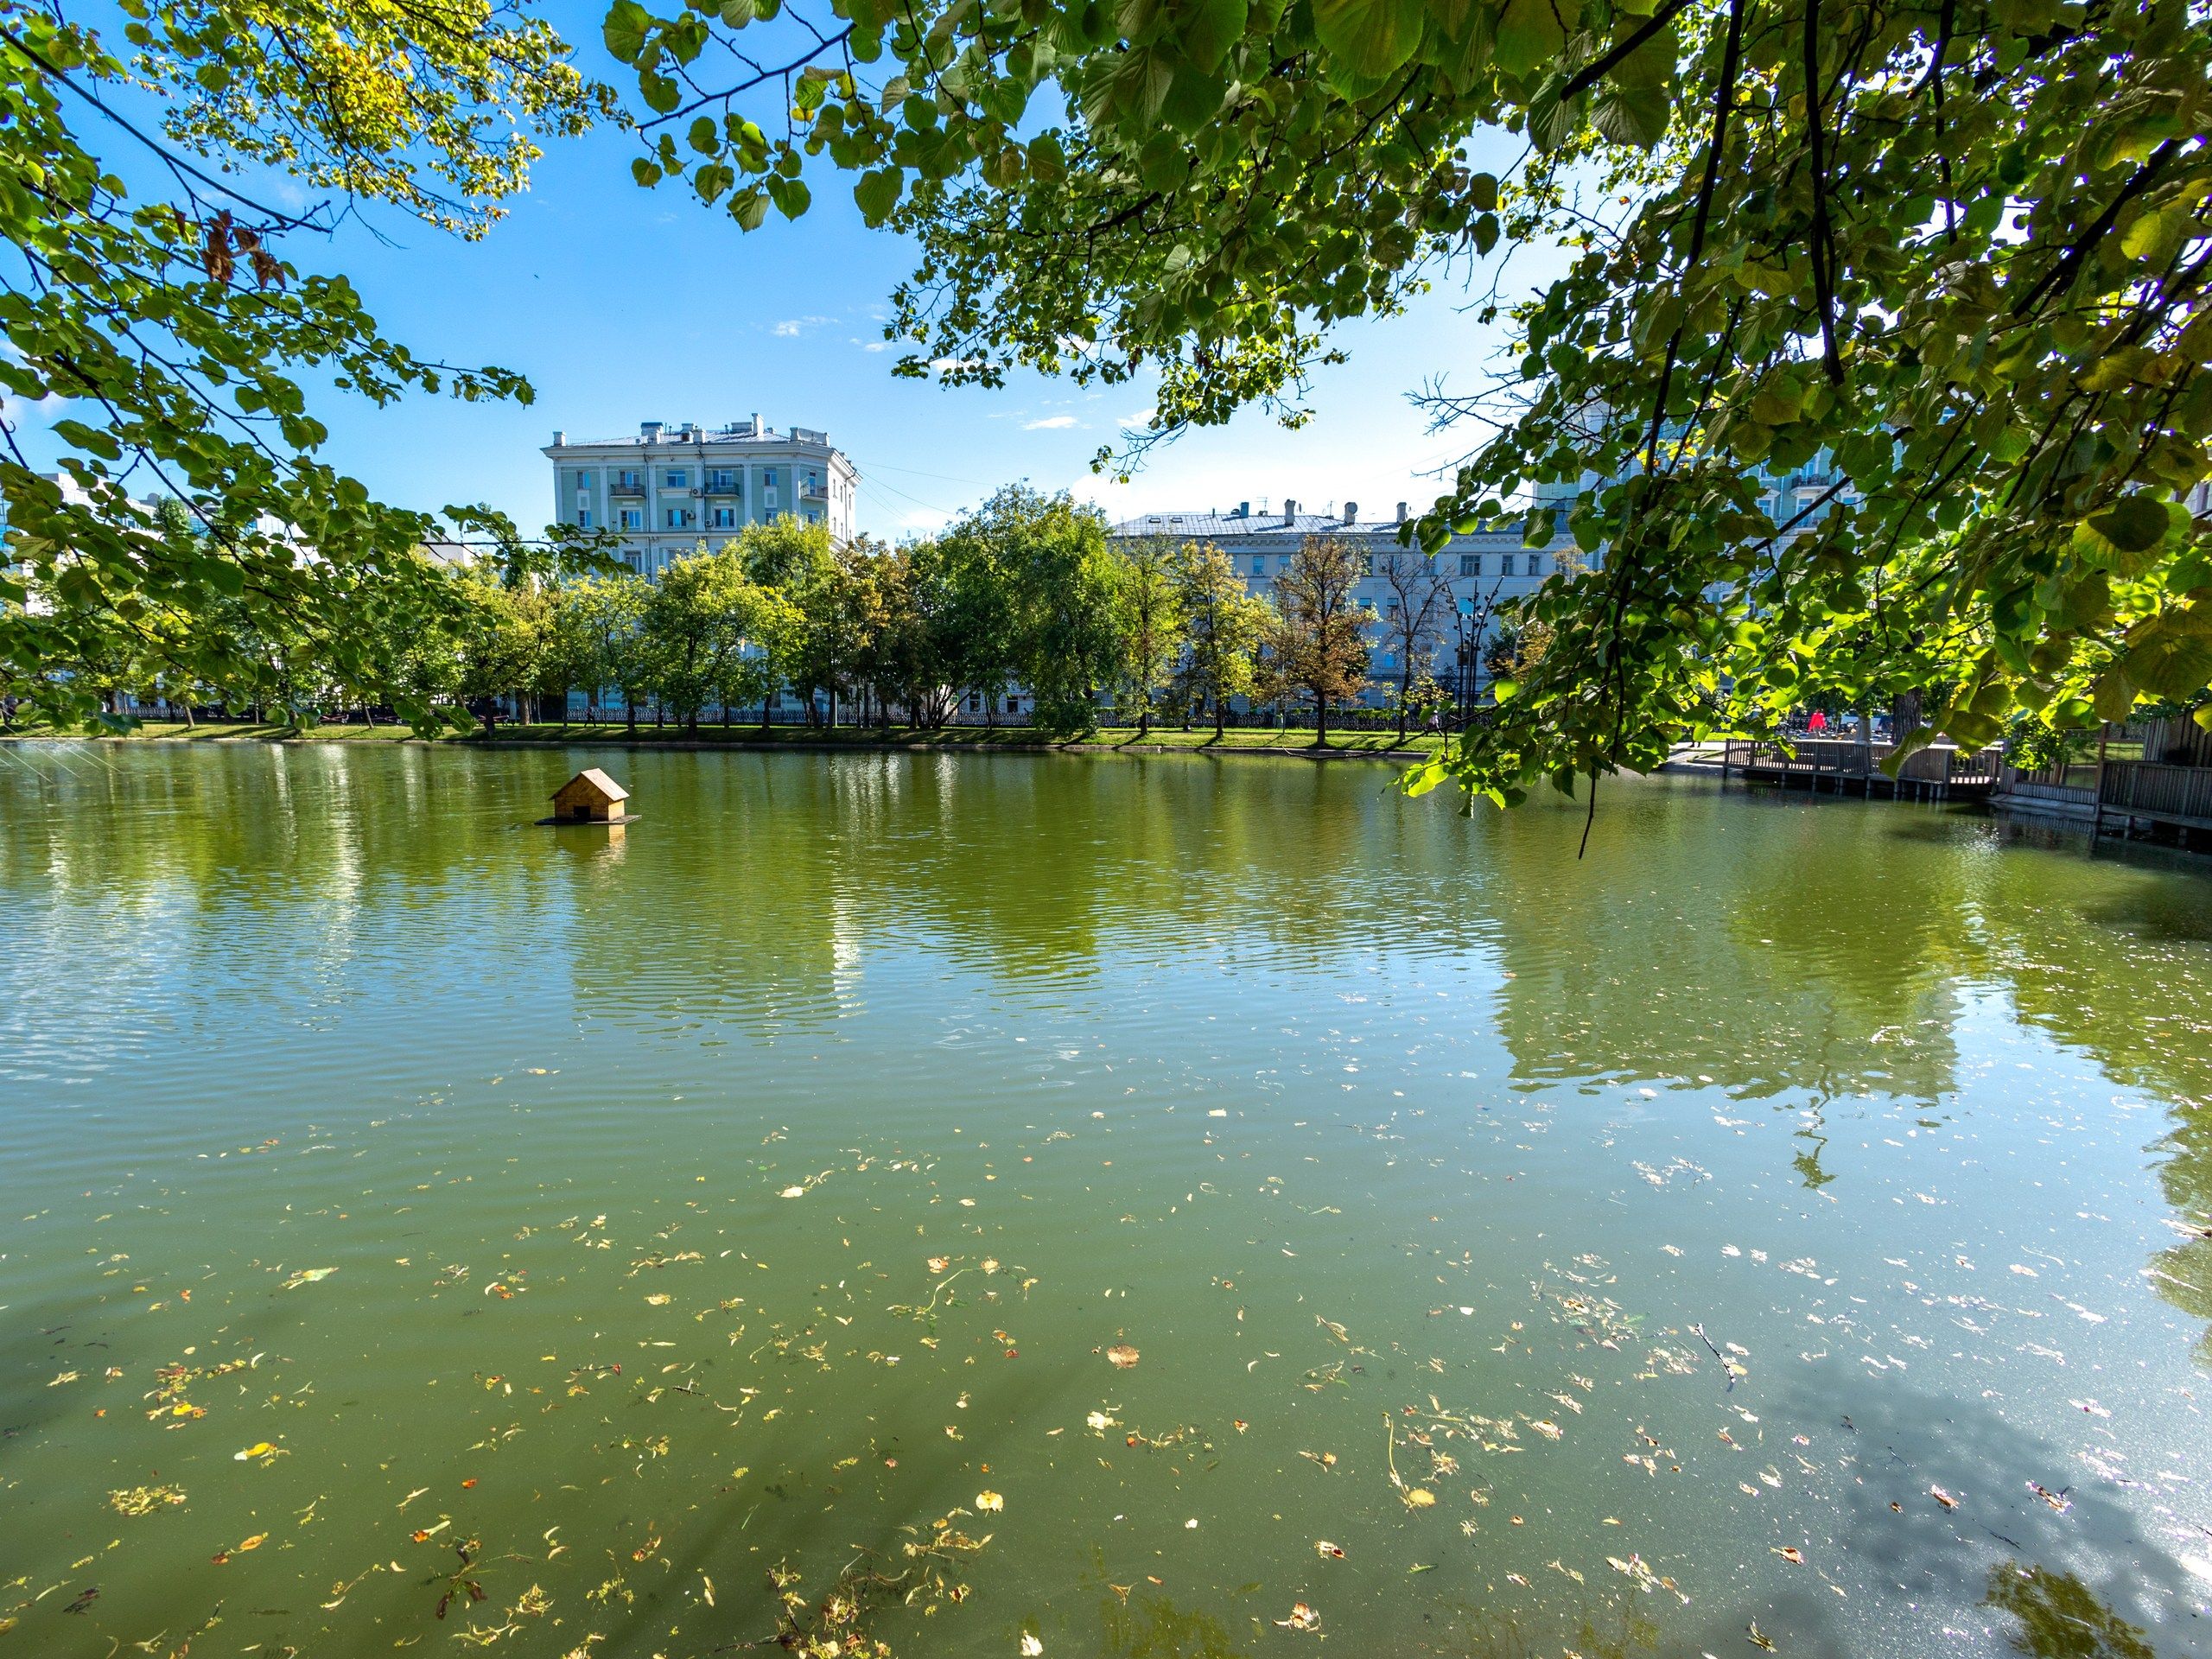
(1302, 1617)
(309, 1276)
(1757, 1637)
(145, 1500)
(1419, 1498)
(1121, 1356)
(1944, 1497)
(939, 1263)
(254, 1542)
(1333, 1552)
(1792, 1554)
(990, 1503)
(260, 1449)
(1030, 1646)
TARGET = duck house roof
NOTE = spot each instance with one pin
(597, 782)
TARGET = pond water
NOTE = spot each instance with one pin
(1785, 1226)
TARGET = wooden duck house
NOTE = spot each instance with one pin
(591, 796)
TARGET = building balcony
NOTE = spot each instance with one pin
(634, 490)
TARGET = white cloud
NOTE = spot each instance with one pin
(1049, 424)
(1138, 421)
(787, 330)
(872, 345)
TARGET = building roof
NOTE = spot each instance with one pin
(1214, 526)
(607, 788)
(660, 434)
(1222, 527)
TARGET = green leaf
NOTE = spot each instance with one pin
(1530, 34)
(2172, 658)
(1485, 231)
(877, 193)
(624, 30)
(1370, 37)
(2136, 524)
(749, 208)
(1207, 29)
(661, 94)
(1481, 193)
(1632, 115)
(737, 13)
(2113, 694)
(1651, 64)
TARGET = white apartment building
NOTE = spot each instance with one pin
(1484, 569)
(675, 485)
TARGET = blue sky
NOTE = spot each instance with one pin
(622, 304)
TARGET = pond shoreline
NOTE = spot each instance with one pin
(551, 737)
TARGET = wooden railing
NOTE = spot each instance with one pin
(1816, 758)
(2140, 789)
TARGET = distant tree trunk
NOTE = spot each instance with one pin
(766, 698)
(1220, 718)
(1144, 719)
(1321, 722)
(1405, 686)
(630, 712)
(725, 713)
(1904, 715)
(830, 725)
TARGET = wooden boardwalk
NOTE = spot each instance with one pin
(1847, 766)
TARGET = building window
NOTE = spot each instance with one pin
(724, 517)
(723, 481)
(633, 519)
(1282, 562)
(675, 478)
(1536, 564)
(583, 480)
(627, 480)
(1013, 705)
(678, 518)
(1505, 564)
(583, 519)
(1471, 564)
(1259, 567)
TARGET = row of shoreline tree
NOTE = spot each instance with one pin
(1027, 591)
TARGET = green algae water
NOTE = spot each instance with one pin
(1085, 1206)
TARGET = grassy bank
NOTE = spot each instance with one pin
(1123, 740)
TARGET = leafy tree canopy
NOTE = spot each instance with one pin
(1953, 251)
(173, 327)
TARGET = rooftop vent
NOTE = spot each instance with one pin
(1243, 509)
(559, 439)
(1289, 511)
(1402, 513)
(650, 430)
(1351, 513)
